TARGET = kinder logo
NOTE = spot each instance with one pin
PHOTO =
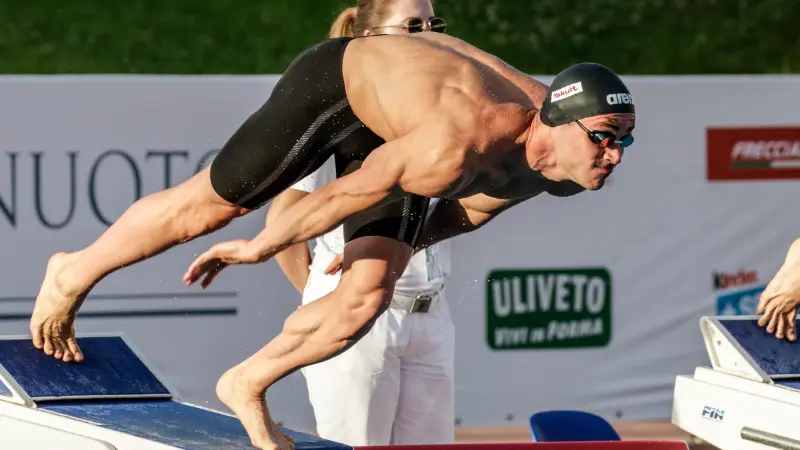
(566, 91)
(737, 293)
(711, 413)
(619, 99)
(753, 153)
(740, 302)
(724, 281)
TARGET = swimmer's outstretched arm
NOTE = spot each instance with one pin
(326, 208)
(408, 162)
(314, 215)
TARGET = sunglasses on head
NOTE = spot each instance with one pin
(417, 25)
(606, 138)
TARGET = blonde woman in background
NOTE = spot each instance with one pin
(395, 385)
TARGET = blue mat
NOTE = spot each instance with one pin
(110, 368)
(776, 357)
(177, 424)
(793, 383)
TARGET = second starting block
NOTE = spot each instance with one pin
(110, 401)
(750, 396)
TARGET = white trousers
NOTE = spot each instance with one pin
(394, 386)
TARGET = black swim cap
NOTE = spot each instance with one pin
(585, 90)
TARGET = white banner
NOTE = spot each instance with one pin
(76, 152)
(590, 302)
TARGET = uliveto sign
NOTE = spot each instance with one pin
(548, 308)
(766, 153)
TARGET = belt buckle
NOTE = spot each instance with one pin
(421, 303)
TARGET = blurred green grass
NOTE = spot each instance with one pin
(537, 36)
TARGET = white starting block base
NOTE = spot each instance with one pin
(749, 397)
(110, 401)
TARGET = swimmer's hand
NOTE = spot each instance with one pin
(217, 258)
(781, 298)
(335, 265)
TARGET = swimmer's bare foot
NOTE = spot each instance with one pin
(54, 313)
(248, 403)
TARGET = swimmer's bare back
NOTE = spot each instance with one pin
(468, 108)
(457, 124)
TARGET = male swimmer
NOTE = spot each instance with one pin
(458, 123)
(395, 386)
(781, 298)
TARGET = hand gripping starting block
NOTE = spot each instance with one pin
(110, 401)
(750, 396)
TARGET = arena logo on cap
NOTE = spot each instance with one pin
(620, 98)
(566, 91)
(757, 153)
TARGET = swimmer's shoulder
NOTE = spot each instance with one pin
(534, 89)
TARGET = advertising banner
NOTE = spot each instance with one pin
(590, 302)
(668, 239)
(552, 308)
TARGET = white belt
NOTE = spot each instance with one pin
(420, 303)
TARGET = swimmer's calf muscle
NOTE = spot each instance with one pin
(148, 227)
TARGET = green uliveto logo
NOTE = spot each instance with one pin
(548, 308)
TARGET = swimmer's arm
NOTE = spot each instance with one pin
(451, 218)
(326, 208)
(399, 163)
(295, 260)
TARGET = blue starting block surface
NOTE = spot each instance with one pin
(777, 358)
(110, 369)
(177, 424)
(114, 389)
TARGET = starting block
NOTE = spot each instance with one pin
(750, 396)
(111, 401)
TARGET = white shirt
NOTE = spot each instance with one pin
(424, 273)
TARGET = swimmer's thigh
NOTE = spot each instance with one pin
(370, 269)
(355, 394)
(292, 134)
(379, 243)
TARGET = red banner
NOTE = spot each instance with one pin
(753, 153)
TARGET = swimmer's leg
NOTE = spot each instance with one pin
(150, 226)
(271, 151)
(318, 331)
